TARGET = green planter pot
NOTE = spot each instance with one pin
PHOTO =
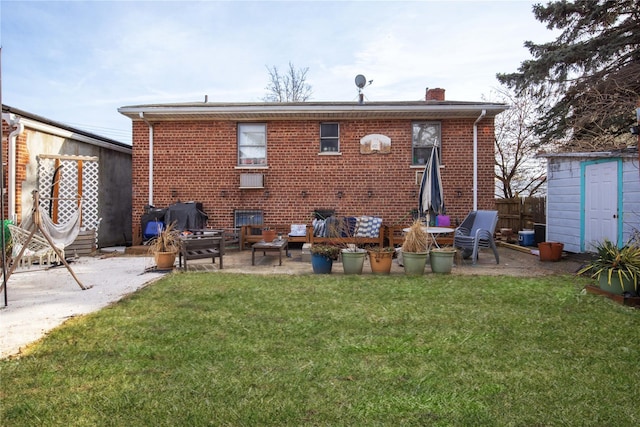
(616, 287)
(441, 260)
(414, 262)
(353, 262)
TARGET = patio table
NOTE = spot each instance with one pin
(278, 245)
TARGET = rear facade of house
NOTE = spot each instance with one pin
(278, 163)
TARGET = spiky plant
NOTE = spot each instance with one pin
(611, 260)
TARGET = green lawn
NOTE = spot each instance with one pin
(199, 349)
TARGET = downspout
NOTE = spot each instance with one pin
(475, 160)
(13, 121)
(150, 158)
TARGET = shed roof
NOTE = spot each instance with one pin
(628, 152)
(68, 131)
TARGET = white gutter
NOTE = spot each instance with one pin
(475, 160)
(13, 121)
(150, 157)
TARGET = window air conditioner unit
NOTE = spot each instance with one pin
(251, 180)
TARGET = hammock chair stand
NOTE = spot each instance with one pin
(36, 225)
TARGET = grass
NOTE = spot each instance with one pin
(239, 350)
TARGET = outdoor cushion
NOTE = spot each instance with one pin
(319, 227)
(369, 226)
(298, 230)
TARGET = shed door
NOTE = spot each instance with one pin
(600, 203)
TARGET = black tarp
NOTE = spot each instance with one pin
(186, 216)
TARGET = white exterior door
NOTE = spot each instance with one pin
(600, 203)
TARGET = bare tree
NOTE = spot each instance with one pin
(518, 171)
(291, 86)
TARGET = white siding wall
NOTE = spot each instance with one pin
(630, 198)
(563, 202)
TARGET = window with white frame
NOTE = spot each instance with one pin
(329, 137)
(426, 136)
(252, 144)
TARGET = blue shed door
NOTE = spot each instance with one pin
(600, 203)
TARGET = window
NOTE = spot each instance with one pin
(329, 137)
(252, 144)
(426, 135)
(247, 217)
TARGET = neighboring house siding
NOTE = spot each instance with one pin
(563, 203)
(196, 161)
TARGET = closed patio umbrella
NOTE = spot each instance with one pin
(430, 197)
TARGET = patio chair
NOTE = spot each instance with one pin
(475, 232)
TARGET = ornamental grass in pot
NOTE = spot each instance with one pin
(414, 249)
(616, 268)
(165, 247)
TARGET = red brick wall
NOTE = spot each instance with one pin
(22, 158)
(196, 161)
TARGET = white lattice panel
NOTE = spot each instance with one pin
(68, 187)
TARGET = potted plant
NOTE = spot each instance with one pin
(322, 257)
(414, 249)
(617, 269)
(353, 259)
(381, 258)
(268, 234)
(165, 247)
(441, 259)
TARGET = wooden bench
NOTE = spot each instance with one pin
(250, 234)
(341, 240)
(208, 244)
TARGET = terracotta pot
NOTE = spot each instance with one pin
(550, 251)
(165, 260)
(268, 235)
(380, 262)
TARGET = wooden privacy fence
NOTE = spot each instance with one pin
(521, 213)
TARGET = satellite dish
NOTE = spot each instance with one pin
(361, 81)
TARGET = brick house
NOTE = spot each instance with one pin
(282, 161)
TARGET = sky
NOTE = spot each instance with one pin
(77, 62)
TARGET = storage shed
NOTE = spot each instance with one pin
(592, 196)
(65, 164)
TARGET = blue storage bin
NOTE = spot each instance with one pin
(526, 238)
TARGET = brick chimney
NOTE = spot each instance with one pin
(435, 94)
